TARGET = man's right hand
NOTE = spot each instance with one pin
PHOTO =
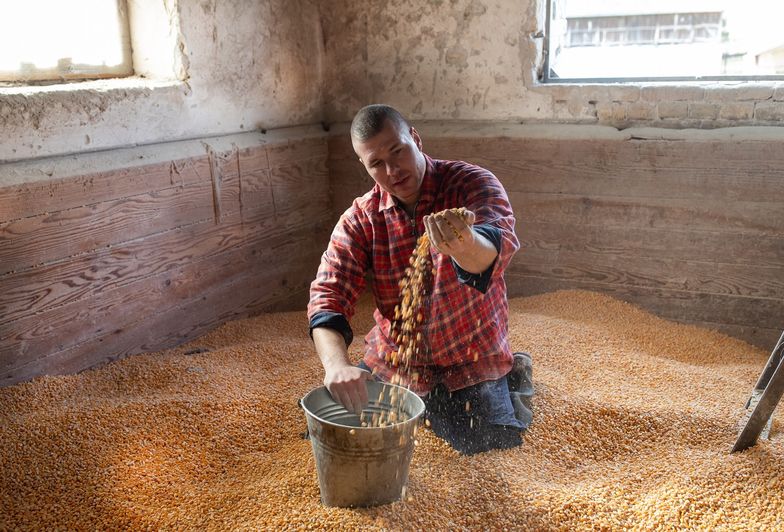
(346, 384)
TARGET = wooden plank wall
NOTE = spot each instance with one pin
(690, 230)
(99, 266)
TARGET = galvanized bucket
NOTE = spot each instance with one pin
(362, 466)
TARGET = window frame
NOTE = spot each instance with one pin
(545, 77)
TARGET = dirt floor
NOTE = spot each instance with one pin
(633, 421)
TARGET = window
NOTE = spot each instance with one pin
(669, 28)
(58, 40)
(628, 40)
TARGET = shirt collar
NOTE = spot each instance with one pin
(427, 190)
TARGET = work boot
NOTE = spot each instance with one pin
(521, 387)
(520, 378)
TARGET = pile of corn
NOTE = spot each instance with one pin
(634, 418)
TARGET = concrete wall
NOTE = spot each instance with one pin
(479, 59)
(246, 65)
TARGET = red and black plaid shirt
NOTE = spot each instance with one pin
(465, 329)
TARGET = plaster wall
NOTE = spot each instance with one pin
(241, 65)
(480, 59)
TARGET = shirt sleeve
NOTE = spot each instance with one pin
(334, 321)
(484, 195)
(341, 276)
(480, 281)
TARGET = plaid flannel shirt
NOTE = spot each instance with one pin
(465, 327)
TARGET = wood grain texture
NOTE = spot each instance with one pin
(83, 276)
(30, 199)
(282, 266)
(78, 320)
(32, 291)
(757, 218)
(348, 178)
(295, 150)
(746, 171)
(241, 297)
(644, 242)
(124, 263)
(45, 238)
(691, 275)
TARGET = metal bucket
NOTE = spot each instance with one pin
(362, 466)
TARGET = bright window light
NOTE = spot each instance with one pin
(56, 39)
(618, 40)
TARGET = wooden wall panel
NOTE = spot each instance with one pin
(689, 275)
(32, 198)
(105, 264)
(281, 286)
(34, 290)
(48, 237)
(759, 218)
(691, 230)
(62, 326)
(348, 178)
(149, 257)
(677, 244)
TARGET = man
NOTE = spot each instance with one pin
(465, 369)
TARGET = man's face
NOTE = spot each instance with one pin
(395, 161)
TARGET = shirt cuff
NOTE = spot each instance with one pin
(481, 281)
(334, 321)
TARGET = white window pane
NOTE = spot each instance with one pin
(62, 37)
(667, 38)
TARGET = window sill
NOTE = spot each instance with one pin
(51, 120)
(129, 83)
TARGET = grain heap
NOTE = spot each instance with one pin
(634, 418)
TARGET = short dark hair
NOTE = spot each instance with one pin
(370, 120)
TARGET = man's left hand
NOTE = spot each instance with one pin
(450, 234)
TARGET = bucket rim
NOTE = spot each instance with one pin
(412, 419)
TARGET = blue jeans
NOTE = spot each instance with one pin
(474, 419)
